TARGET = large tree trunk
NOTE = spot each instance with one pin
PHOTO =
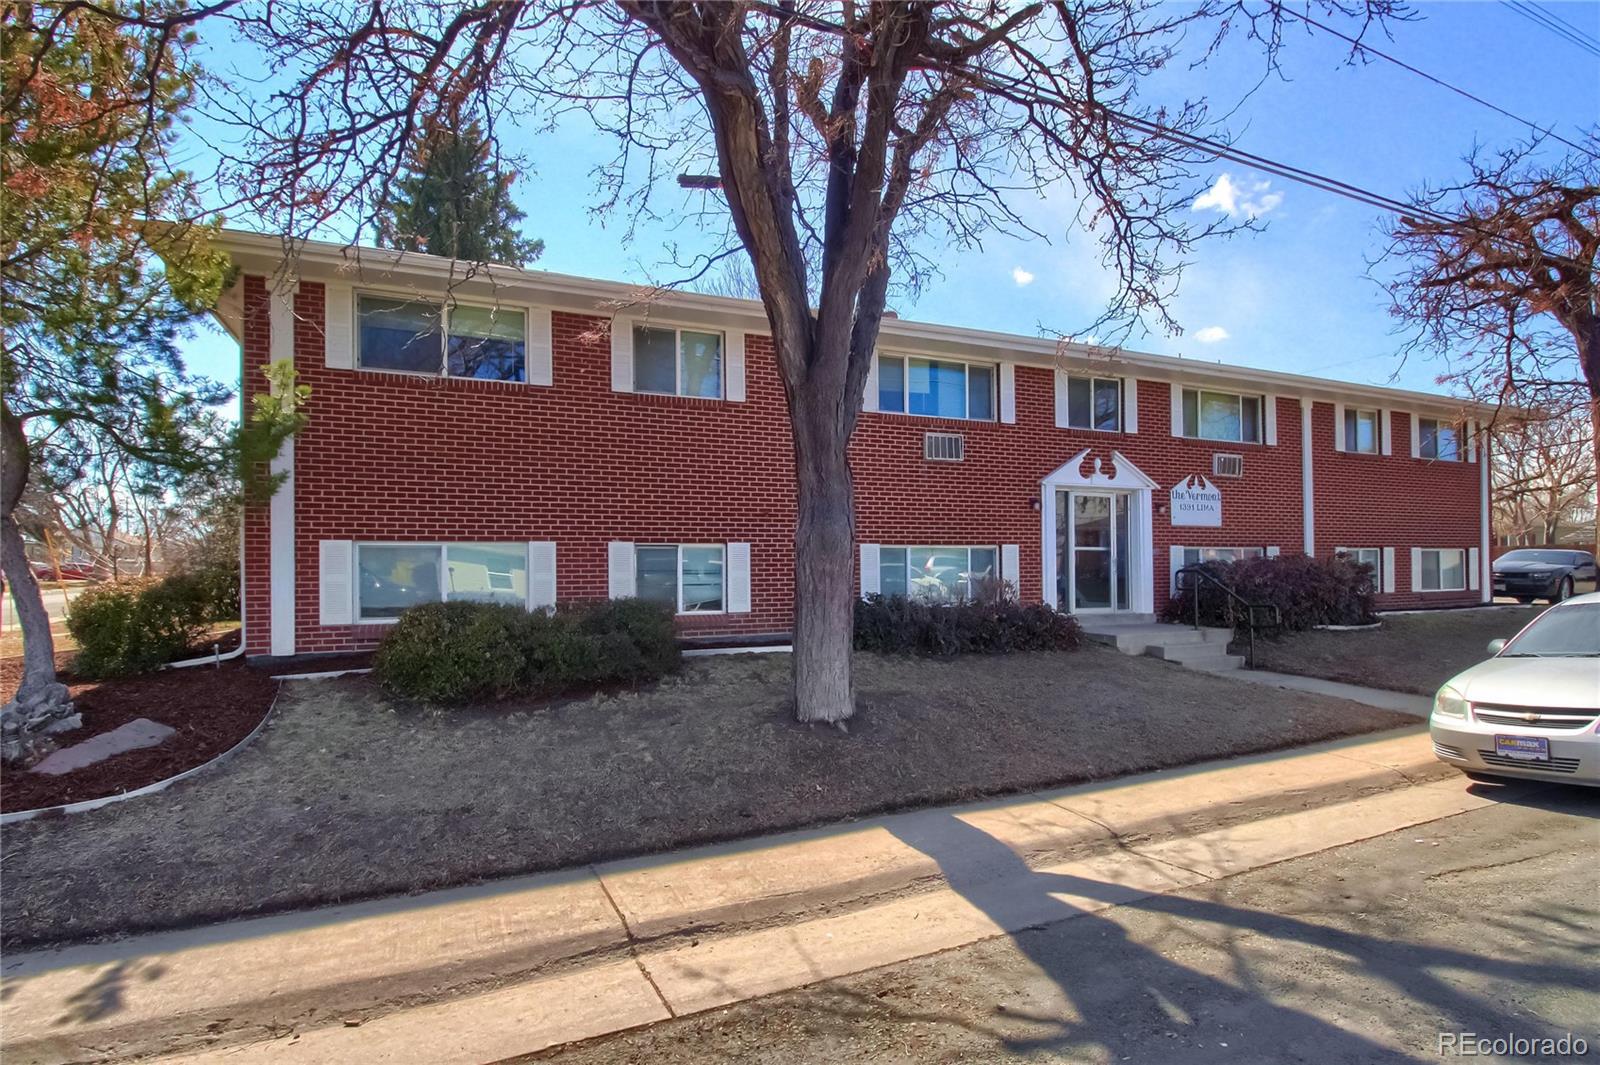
(824, 602)
(1594, 440)
(42, 705)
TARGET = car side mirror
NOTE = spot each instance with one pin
(1496, 646)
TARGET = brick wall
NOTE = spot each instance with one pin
(389, 456)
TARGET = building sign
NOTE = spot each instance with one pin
(1196, 501)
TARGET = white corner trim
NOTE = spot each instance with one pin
(1308, 500)
(280, 510)
(1485, 561)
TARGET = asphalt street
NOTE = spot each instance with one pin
(1486, 923)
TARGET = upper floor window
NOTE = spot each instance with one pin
(1094, 403)
(936, 387)
(1221, 416)
(677, 362)
(687, 577)
(936, 574)
(1361, 430)
(456, 340)
(1438, 440)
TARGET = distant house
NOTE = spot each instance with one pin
(514, 436)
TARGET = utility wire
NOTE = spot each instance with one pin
(1556, 25)
(1362, 46)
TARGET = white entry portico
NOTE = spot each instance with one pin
(1097, 545)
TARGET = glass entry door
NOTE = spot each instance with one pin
(1092, 550)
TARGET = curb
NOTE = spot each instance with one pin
(18, 816)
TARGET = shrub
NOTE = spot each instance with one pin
(137, 625)
(449, 652)
(452, 652)
(1307, 591)
(992, 625)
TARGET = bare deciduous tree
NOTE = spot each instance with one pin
(1544, 479)
(854, 144)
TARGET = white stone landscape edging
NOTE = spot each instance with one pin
(325, 675)
(1348, 628)
(18, 816)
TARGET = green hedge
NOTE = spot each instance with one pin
(994, 625)
(1307, 591)
(454, 652)
(133, 626)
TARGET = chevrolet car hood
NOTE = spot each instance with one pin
(1527, 567)
(1553, 683)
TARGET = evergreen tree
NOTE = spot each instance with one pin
(455, 201)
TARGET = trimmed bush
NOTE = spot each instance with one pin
(1307, 591)
(453, 652)
(137, 625)
(991, 625)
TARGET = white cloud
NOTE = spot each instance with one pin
(1021, 276)
(1211, 334)
(1252, 200)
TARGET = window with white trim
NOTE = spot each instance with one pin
(1193, 556)
(677, 362)
(452, 340)
(1438, 440)
(936, 574)
(690, 578)
(1366, 556)
(1094, 403)
(393, 577)
(938, 388)
(1361, 431)
(1444, 569)
(1224, 416)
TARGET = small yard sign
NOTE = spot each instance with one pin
(1196, 501)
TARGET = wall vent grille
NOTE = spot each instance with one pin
(944, 447)
(1227, 465)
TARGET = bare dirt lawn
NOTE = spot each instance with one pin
(1410, 653)
(349, 794)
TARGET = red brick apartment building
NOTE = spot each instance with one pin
(523, 436)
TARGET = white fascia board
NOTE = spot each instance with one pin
(319, 260)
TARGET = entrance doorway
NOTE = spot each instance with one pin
(1092, 533)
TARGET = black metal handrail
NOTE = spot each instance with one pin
(1202, 577)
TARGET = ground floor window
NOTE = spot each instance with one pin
(1367, 556)
(393, 577)
(1444, 569)
(936, 574)
(688, 577)
(1193, 556)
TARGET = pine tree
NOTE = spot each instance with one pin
(455, 201)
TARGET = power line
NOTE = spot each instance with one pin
(1362, 46)
(1558, 26)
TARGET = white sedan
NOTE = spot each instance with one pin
(1533, 710)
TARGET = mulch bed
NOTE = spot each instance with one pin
(212, 708)
(349, 793)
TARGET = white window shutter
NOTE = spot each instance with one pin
(336, 566)
(620, 577)
(1470, 441)
(1008, 393)
(1175, 555)
(541, 574)
(1269, 406)
(733, 366)
(1385, 436)
(1473, 576)
(1061, 400)
(1388, 570)
(1011, 565)
(1338, 427)
(738, 578)
(338, 327)
(869, 394)
(1274, 552)
(1177, 409)
(1130, 405)
(870, 580)
(1416, 435)
(541, 347)
(1416, 569)
(622, 354)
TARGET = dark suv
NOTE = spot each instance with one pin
(1544, 573)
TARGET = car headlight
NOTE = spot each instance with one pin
(1450, 703)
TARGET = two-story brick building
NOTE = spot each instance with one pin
(523, 436)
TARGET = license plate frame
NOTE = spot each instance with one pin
(1523, 748)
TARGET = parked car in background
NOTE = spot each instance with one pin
(1544, 573)
(1533, 710)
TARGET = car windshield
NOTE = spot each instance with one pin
(1558, 558)
(1560, 631)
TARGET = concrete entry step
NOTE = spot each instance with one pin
(1212, 656)
(1136, 638)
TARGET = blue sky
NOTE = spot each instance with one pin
(1295, 297)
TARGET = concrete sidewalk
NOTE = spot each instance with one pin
(1403, 702)
(480, 974)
